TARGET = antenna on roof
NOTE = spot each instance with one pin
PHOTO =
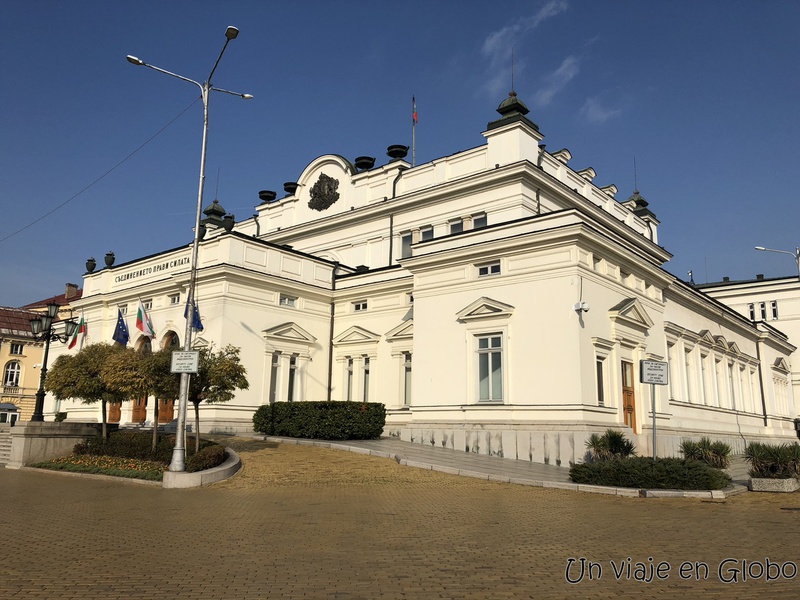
(216, 192)
(635, 177)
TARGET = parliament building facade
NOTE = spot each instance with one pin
(495, 300)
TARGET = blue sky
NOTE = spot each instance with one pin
(703, 94)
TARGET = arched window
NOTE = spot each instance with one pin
(12, 373)
(144, 346)
(171, 341)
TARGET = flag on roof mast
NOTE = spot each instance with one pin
(143, 322)
(121, 335)
(80, 330)
(414, 115)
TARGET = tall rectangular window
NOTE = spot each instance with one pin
(405, 245)
(273, 376)
(774, 306)
(490, 368)
(365, 392)
(349, 376)
(601, 385)
(763, 307)
(752, 309)
(406, 378)
(292, 375)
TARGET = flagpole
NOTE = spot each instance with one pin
(413, 131)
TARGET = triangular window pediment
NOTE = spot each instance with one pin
(485, 308)
(356, 335)
(734, 348)
(780, 365)
(705, 336)
(631, 312)
(289, 332)
(404, 331)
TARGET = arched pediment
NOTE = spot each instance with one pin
(484, 308)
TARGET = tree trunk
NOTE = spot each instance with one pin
(155, 425)
(197, 427)
(105, 429)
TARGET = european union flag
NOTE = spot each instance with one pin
(197, 324)
(121, 335)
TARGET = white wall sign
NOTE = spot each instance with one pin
(185, 362)
(654, 371)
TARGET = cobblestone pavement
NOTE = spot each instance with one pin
(305, 522)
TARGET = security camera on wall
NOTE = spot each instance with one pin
(581, 307)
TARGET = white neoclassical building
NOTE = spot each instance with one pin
(495, 300)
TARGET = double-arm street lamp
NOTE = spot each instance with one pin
(179, 453)
(795, 255)
(42, 328)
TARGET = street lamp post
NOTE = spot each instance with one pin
(42, 329)
(795, 255)
(178, 462)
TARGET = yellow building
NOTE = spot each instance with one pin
(21, 363)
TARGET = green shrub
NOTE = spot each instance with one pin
(646, 473)
(322, 420)
(773, 461)
(714, 454)
(134, 444)
(208, 458)
(612, 444)
(60, 416)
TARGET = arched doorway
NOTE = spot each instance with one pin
(139, 410)
(166, 408)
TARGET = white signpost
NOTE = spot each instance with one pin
(654, 372)
(185, 361)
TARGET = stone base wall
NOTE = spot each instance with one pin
(552, 444)
(36, 442)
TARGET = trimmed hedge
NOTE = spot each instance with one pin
(646, 473)
(208, 458)
(321, 420)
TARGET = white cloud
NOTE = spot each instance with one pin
(555, 81)
(594, 111)
(497, 45)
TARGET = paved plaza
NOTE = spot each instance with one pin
(306, 522)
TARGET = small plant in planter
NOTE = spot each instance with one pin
(773, 467)
(612, 444)
(714, 454)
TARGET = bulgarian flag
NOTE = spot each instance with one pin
(80, 330)
(143, 322)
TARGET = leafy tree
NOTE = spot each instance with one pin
(81, 376)
(219, 375)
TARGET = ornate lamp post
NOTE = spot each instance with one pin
(42, 328)
(179, 453)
